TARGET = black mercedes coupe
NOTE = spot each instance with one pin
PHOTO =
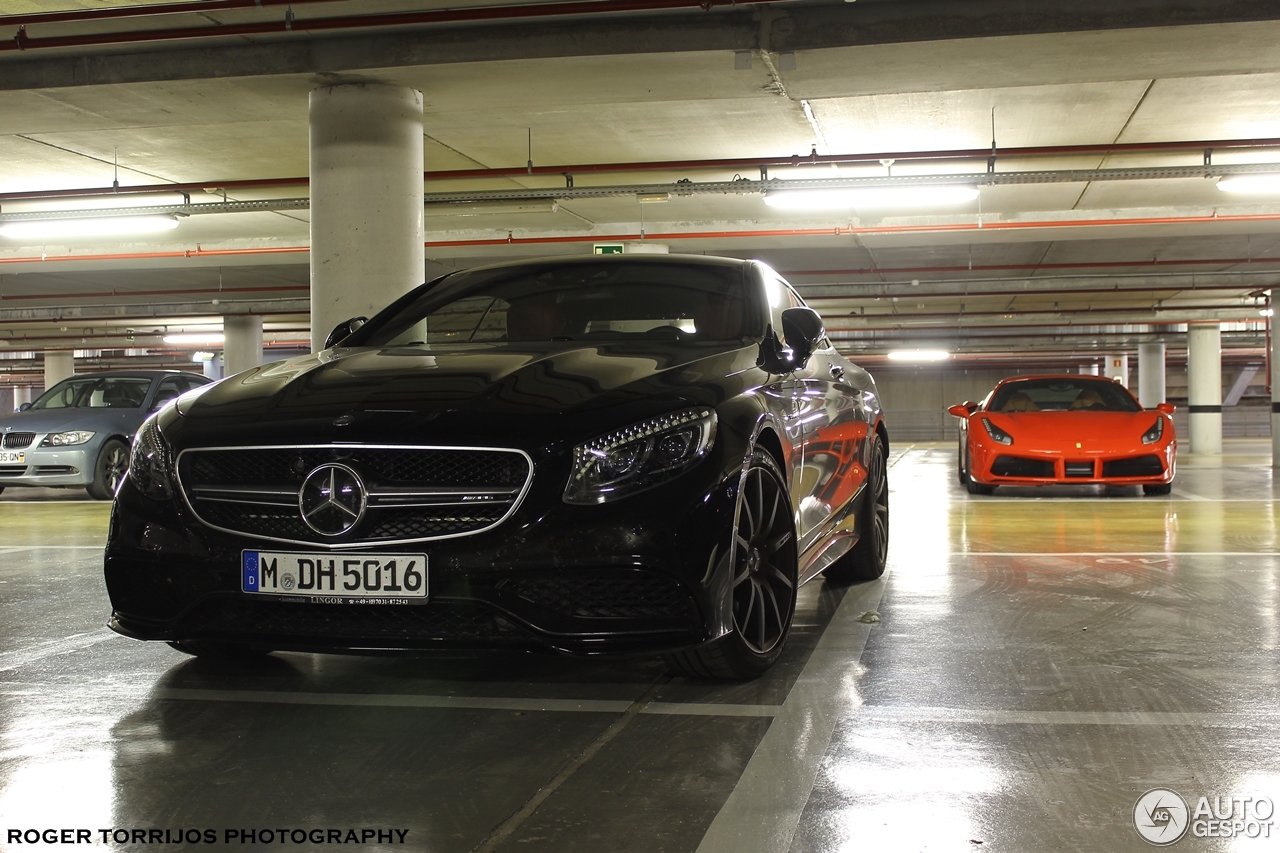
(636, 454)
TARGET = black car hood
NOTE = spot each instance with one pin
(475, 384)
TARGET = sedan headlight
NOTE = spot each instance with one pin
(637, 457)
(66, 439)
(1154, 434)
(150, 463)
(996, 433)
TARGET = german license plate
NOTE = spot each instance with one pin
(13, 456)
(336, 578)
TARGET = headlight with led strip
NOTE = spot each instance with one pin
(639, 456)
(151, 462)
(1156, 432)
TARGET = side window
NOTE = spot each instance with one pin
(189, 382)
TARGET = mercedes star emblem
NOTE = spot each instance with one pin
(332, 499)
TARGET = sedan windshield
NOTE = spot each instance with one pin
(91, 393)
(569, 302)
(1062, 395)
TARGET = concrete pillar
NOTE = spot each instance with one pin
(21, 394)
(213, 368)
(58, 366)
(1088, 370)
(1204, 388)
(366, 201)
(1275, 385)
(1117, 368)
(1150, 374)
(242, 348)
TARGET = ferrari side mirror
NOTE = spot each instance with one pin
(961, 410)
(343, 330)
(1167, 408)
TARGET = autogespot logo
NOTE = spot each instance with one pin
(1160, 816)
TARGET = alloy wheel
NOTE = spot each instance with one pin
(764, 585)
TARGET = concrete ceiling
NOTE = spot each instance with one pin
(1065, 268)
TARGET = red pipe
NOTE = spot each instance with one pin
(739, 163)
(291, 24)
(194, 8)
(1059, 266)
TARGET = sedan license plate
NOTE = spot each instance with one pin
(336, 578)
(13, 456)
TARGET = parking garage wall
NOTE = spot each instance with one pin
(915, 399)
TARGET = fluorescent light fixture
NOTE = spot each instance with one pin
(1266, 312)
(653, 198)
(202, 356)
(919, 355)
(90, 226)
(196, 338)
(925, 195)
(1251, 184)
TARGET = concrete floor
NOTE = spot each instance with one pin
(1044, 658)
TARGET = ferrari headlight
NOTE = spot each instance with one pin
(1154, 434)
(67, 439)
(150, 463)
(996, 433)
(637, 457)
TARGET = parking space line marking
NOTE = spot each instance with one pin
(1191, 496)
(494, 703)
(21, 657)
(764, 808)
(704, 709)
(1115, 554)
(982, 716)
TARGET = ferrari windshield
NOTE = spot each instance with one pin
(568, 302)
(1062, 395)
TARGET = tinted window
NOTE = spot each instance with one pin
(91, 393)
(569, 302)
(169, 388)
(1058, 395)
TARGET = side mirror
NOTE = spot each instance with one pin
(774, 356)
(343, 330)
(803, 329)
(960, 411)
(1167, 408)
(23, 407)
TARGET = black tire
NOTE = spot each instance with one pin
(761, 554)
(867, 559)
(1158, 489)
(109, 470)
(218, 650)
(976, 488)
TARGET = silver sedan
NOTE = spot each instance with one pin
(77, 434)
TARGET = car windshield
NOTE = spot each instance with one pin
(569, 302)
(95, 393)
(1062, 395)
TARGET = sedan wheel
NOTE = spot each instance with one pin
(112, 465)
(762, 558)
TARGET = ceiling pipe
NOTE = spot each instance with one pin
(730, 164)
(289, 24)
(192, 7)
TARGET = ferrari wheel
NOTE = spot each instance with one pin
(1158, 489)
(867, 559)
(976, 488)
(762, 559)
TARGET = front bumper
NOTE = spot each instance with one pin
(625, 577)
(1127, 466)
(51, 466)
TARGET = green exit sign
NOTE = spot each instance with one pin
(608, 248)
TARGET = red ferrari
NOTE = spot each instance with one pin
(1044, 430)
